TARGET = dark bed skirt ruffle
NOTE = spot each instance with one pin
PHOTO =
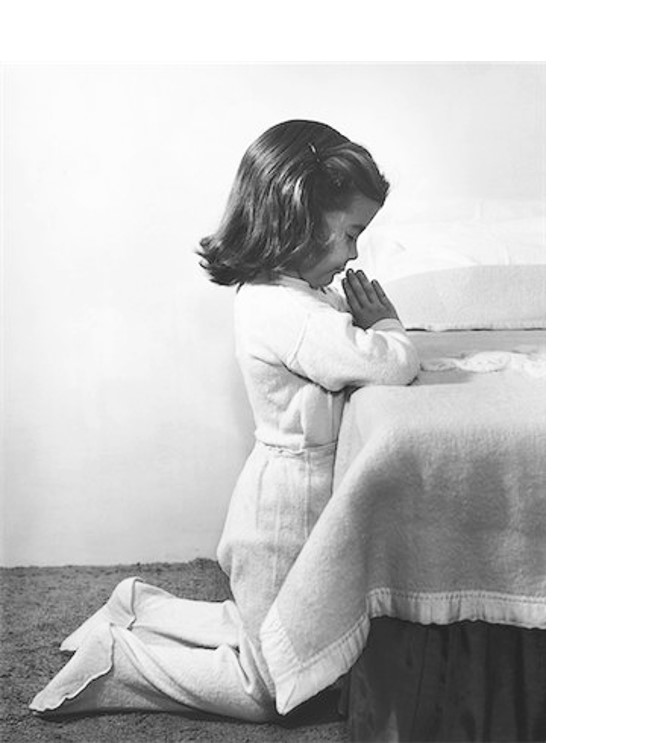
(468, 681)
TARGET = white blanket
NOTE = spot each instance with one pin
(437, 514)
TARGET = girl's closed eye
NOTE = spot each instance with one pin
(354, 236)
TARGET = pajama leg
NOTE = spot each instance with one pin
(157, 616)
(114, 670)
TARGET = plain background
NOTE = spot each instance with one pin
(126, 420)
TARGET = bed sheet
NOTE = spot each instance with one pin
(437, 514)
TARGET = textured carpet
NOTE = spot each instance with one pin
(40, 606)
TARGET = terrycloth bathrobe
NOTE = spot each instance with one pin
(299, 353)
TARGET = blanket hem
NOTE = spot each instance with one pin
(298, 680)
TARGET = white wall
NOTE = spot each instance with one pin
(125, 420)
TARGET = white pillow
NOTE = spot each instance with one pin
(472, 298)
(400, 250)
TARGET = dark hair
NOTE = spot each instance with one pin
(287, 179)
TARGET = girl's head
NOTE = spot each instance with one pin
(302, 194)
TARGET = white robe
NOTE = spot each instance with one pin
(146, 649)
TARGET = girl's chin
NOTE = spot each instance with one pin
(318, 282)
(323, 281)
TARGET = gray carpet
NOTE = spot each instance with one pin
(40, 606)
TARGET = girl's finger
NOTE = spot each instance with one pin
(380, 292)
(382, 297)
(369, 289)
(384, 300)
(366, 284)
(355, 280)
(350, 294)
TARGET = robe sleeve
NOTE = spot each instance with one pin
(335, 354)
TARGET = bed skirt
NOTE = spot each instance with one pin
(466, 681)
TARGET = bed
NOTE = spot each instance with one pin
(424, 578)
(466, 570)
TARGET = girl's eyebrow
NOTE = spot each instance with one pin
(359, 227)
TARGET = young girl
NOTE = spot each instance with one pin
(302, 196)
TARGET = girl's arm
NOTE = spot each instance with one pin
(335, 353)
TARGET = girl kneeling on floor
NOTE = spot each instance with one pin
(302, 196)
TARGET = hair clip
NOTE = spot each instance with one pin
(313, 149)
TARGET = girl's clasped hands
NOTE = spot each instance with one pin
(367, 300)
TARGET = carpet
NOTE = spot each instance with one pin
(40, 606)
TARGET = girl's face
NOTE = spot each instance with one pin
(344, 228)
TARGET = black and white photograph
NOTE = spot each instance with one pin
(275, 415)
(280, 459)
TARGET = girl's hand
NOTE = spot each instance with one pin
(366, 299)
